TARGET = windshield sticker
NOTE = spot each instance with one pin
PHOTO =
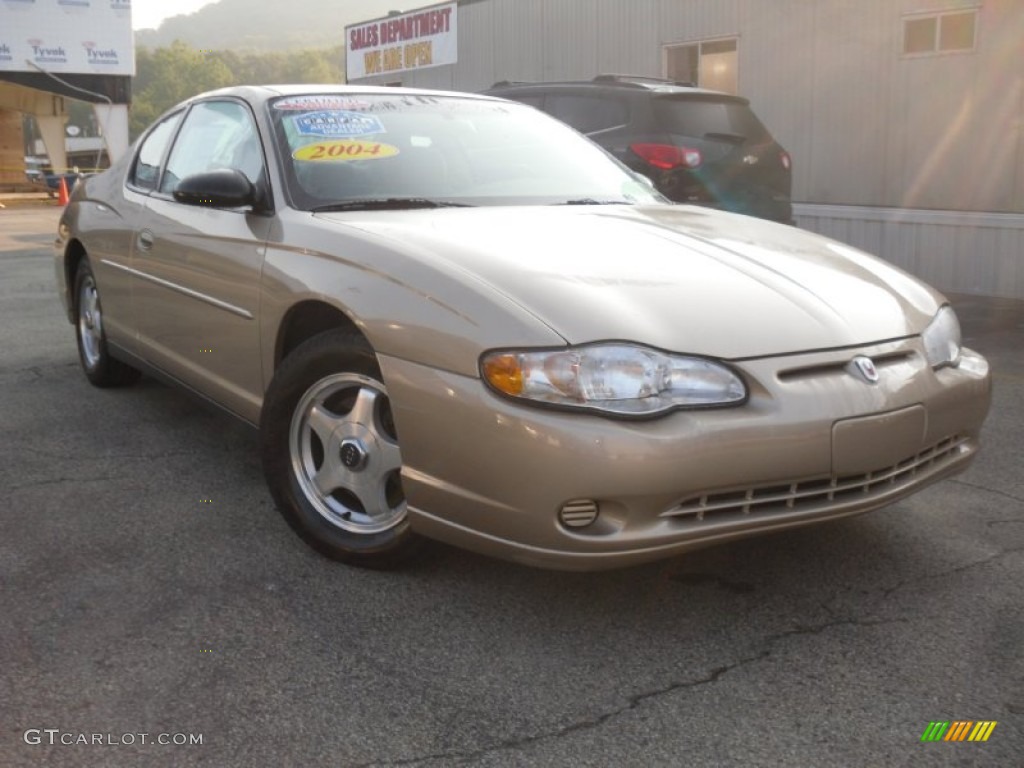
(307, 103)
(337, 124)
(344, 151)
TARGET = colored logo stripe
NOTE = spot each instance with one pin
(982, 730)
(958, 730)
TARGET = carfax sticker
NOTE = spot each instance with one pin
(308, 103)
(343, 151)
(337, 123)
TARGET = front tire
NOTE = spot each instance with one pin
(100, 368)
(330, 453)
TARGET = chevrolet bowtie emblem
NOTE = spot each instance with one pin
(864, 367)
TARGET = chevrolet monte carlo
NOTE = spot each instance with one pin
(452, 317)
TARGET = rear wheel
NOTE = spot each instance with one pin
(100, 368)
(331, 455)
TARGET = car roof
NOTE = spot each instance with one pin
(261, 93)
(258, 95)
(635, 83)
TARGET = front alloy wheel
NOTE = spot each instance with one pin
(345, 456)
(331, 455)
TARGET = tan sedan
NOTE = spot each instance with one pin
(453, 317)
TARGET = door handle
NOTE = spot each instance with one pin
(145, 240)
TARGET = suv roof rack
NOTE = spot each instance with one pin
(641, 80)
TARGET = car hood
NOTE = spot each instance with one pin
(680, 278)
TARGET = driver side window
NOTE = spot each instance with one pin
(216, 134)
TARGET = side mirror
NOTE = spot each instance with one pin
(223, 188)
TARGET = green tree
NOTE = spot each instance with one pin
(313, 66)
(305, 66)
(166, 76)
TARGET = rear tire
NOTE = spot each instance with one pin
(100, 368)
(330, 453)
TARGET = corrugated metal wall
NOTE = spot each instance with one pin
(979, 253)
(867, 126)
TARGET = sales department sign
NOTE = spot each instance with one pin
(420, 39)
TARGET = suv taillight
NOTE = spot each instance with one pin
(668, 156)
(786, 161)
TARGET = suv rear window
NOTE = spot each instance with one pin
(709, 118)
(587, 114)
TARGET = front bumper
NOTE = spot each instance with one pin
(813, 443)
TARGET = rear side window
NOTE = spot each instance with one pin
(147, 165)
(710, 118)
(588, 114)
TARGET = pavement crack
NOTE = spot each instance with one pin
(896, 587)
(632, 702)
(1004, 494)
(979, 563)
(698, 579)
(887, 591)
(817, 629)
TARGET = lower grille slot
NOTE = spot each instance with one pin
(816, 492)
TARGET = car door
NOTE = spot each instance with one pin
(196, 269)
(112, 231)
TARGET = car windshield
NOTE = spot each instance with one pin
(389, 151)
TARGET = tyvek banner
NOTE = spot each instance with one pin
(67, 36)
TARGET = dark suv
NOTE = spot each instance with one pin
(697, 146)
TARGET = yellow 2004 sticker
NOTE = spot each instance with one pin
(344, 150)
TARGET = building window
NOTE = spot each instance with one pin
(939, 32)
(710, 64)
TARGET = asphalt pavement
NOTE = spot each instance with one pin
(150, 592)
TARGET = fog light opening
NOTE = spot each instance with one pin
(579, 513)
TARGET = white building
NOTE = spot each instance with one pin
(905, 118)
(58, 50)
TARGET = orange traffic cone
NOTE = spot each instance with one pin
(62, 192)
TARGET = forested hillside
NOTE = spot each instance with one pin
(167, 75)
(269, 25)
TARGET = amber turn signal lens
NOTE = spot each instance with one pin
(504, 373)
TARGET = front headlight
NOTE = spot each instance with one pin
(621, 379)
(942, 338)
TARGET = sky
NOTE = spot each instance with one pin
(147, 14)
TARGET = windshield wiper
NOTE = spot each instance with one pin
(387, 204)
(592, 201)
